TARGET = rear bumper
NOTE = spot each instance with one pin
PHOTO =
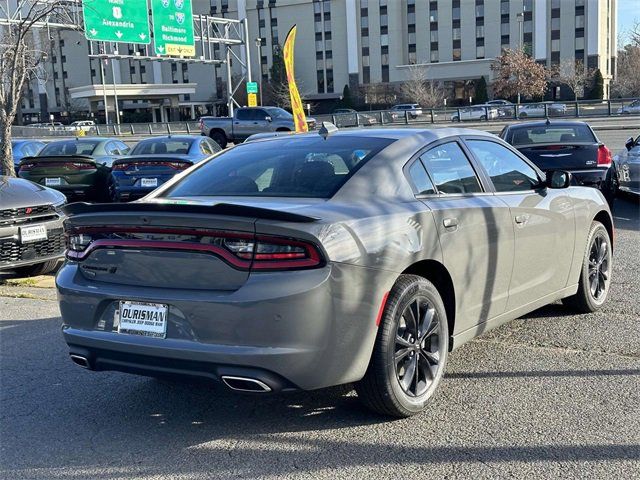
(295, 329)
(133, 193)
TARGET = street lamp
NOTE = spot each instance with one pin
(259, 46)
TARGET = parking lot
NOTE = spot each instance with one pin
(549, 395)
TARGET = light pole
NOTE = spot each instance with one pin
(259, 46)
(520, 18)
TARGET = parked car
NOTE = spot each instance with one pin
(627, 164)
(632, 108)
(25, 148)
(505, 107)
(79, 168)
(566, 145)
(31, 233)
(529, 110)
(155, 160)
(348, 117)
(84, 125)
(399, 111)
(475, 112)
(247, 121)
(305, 261)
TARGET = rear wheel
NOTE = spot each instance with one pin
(218, 137)
(410, 352)
(112, 192)
(37, 269)
(595, 276)
(483, 118)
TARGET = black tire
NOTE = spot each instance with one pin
(523, 115)
(384, 388)
(455, 119)
(218, 137)
(112, 195)
(37, 269)
(483, 118)
(590, 297)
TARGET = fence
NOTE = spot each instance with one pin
(489, 113)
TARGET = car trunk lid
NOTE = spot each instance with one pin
(575, 156)
(183, 246)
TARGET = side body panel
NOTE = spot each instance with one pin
(544, 228)
(478, 253)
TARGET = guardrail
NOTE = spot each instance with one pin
(583, 108)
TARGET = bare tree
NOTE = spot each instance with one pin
(419, 88)
(574, 75)
(518, 75)
(627, 81)
(21, 59)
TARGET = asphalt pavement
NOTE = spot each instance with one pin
(549, 395)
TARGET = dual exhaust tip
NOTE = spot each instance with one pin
(238, 384)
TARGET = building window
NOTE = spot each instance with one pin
(456, 55)
(385, 73)
(366, 75)
(504, 7)
(580, 21)
(329, 80)
(555, 45)
(456, 33)
(320, 77)
(480, 31)
(434, 35)
(480, 51)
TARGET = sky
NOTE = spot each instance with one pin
(628, 13)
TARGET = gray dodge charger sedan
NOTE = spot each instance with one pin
(313, 260)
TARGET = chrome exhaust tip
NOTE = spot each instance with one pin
(80, 360)
(245, 384)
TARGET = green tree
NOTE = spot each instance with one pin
(597, 90)
(481, 90)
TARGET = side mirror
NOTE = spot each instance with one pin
(268, 118)
(558, 179)
(630, 143)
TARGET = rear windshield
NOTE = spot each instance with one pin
(307, 166)
(552, 134)
(71, 147)
(163, 145)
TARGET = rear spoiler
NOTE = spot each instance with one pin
(231, 209)
(151, 158)
(78, 158)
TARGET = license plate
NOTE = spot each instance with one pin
(53, 182)
(33, 234)
(149, 182)
(148, 319)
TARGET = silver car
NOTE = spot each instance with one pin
(627, 165)
(312, 260)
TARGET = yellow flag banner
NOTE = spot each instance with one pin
(299, 118)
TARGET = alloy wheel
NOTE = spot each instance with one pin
(599, 266)
(417, 346)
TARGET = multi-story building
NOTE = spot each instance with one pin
(351, 42)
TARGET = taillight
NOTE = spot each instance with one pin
(604, 156)
(178, 165)
(120, 166)
(82, 166)
(242, 250)
(25, 167)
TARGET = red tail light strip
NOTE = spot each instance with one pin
(310, 258)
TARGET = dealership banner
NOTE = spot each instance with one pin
(299, 118)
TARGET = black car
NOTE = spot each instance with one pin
(566, 145)
(31, 227)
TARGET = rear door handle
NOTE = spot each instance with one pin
(450, 222)
(522, 219)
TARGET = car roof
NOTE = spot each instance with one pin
(173, 137)
(425, 134)
(544, 123)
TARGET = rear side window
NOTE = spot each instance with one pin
(244, 114)
(308, 166)
(551, 134)
(420, 179)
(450, 169)
(508, 172)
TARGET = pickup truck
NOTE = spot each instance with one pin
(248, 121)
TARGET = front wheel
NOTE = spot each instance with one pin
(410, 352)
(595, 275)
(37, 269)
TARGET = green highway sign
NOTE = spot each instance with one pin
(252, 87)
(173, 27)
(125, 21)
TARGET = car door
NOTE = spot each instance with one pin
(543, 221)
(475, 231)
